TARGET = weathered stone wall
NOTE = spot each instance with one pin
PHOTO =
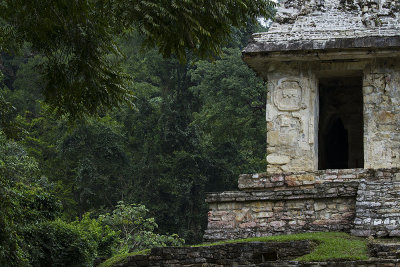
(222, 255)
(293, 112)
(291, 119)
(381, 89)
(384, 250)
(339, 263)
(364, 201)
(321, 24)
(271, 254)
(378, 205)
(311, 43)
(324, 207)
(316, 39)
(293, 180)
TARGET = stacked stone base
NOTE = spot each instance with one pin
(364, 202)
(272, 254)
(326, 207)
(237, 254)
(378, 205)
(367, 263)
(384, 250)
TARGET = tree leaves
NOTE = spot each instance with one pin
(202, 26)
(77, 39)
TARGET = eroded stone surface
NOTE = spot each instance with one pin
(378, 205)
(293, 133)
(384, 250)
(313, 41)
(382, 115)
(244, 254)
(283, 181)
(365, 202)
(314, 48)
(311, 25)
(328, 206)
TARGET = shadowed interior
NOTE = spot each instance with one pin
(340, 135)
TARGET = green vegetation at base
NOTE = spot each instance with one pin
(331, 245)
(33, 232)
(122, 258)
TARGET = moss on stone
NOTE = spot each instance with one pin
(122, 258)
(331, 245)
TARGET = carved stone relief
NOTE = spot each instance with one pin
(288, 127)
(288, 95)
(287, 123)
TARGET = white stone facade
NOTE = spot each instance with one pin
(333, 125)
(291, 119)
(313, 40)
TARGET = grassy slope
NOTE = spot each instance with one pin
(122, 258)
(331, 246)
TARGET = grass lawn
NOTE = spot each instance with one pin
(331, 246)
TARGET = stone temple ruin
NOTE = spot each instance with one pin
(333, 124)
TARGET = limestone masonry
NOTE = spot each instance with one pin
(271, 254)
(333, 124)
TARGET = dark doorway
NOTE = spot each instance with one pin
(340, 133)
(337, 146)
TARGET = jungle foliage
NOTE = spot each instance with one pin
(67, 186)
(81, 68)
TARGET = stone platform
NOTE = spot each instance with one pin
(361, 201)
(272, 254)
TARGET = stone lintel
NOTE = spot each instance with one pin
(321, 55)
(369, 42)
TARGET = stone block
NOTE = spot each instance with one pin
(264, 214)
(395, 233)
(278, 159)
(332, 191)
(319, 206)
(278, 178)
(277, 224)
(357, 232)
(343, 207)
(248, 225)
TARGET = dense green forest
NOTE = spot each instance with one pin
(70, 187)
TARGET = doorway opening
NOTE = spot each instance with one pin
(341, 127)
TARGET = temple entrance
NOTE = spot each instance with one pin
(340, 134)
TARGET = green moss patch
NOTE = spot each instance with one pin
(123, 258)
(331, 245)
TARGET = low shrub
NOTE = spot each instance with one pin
(137, 231)
(58, 243)
(106, 240)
